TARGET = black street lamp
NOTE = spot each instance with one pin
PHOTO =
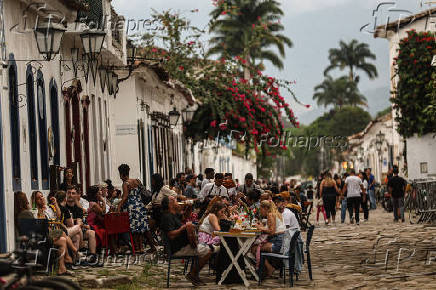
(188, 115)
(174, 116)
(92, 41)
(49, 38)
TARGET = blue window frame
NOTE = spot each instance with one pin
(42, 121)
(150, 150)
(33, 145)
(14, 112)
(54, 105)
(2, 193)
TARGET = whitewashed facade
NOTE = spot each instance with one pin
(51, 118)
(421, 160)
(364, 153)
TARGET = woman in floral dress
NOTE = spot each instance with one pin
(131, 202)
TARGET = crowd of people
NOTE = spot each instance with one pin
(355, 192)
(190, 208)
(185, 212)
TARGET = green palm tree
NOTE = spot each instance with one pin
(235, 35)
(338, 92)
(353, 56)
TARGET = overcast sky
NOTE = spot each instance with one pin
(314, 26)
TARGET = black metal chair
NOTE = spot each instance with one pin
(39, 228)
(170, 257)
(290, 258)
(307, 250)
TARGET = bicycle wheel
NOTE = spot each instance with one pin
(49, 284)
(66, 281)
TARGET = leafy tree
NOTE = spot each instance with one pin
(249, 28)
(415, 95)
(335, 123)
(353, 56)
(383, 112)
(338, 92)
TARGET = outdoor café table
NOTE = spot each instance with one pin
(245, 241)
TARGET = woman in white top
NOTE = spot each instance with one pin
(275, 229)
(211, 224)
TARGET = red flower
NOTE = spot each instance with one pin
(241, 119)
(154, 49)
(223, 126)
(213, 123)
(224, 13)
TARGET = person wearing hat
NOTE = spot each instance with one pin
(191, 191)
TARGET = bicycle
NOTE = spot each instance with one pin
(20, 270)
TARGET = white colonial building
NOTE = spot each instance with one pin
(80, 107)
(421, 160)
(376, 147)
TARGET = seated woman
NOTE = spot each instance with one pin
(96, 211)
(211, 223)
(274, 230)
(60, 239)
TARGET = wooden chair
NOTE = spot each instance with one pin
(117, 223)
(170, 257)
(290, 258)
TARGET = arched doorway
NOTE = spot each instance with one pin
(42, 122)
(73, 129)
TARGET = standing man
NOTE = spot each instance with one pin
(248, 185)
(353, 186)
(214, 189)
(209, 172)
(371, 189)
(397, 187)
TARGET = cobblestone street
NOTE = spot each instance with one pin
(343, 256)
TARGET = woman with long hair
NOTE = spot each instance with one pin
(274, 229)
(60, 239)
(211, 223)
(96, 211)
(21, 207)
(328, 192)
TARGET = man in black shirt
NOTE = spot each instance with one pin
(178, 239)
(73, 205)
(397, 188)
(74, 231)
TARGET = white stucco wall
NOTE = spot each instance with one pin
(421, 150)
